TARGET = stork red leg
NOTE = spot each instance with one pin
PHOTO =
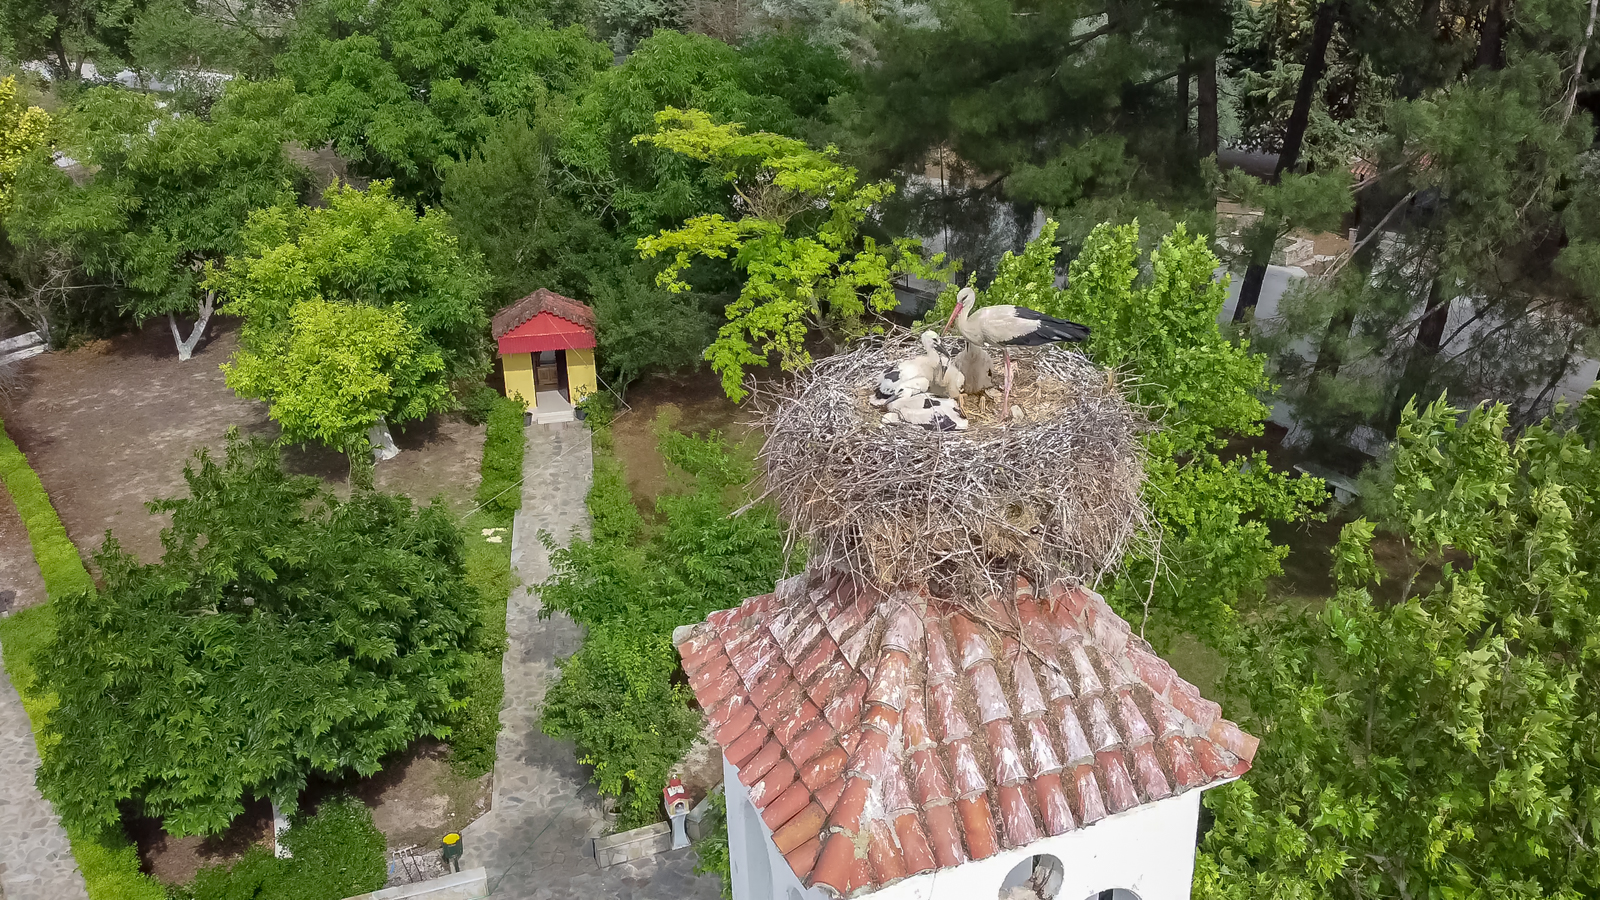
(1005, 402)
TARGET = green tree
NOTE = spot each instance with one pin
(1213, 507)
(777, 85)
(1433, 736)
(166, 198)
(339, 369)
(423, 306)
(65, 34)
(23, 129)
(799, 245)
(282, 633)
(403, 90)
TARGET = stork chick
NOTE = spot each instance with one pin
(925, 411)
(914, 375)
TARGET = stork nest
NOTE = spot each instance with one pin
(1053, 494)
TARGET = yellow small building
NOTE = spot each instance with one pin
(546, 348)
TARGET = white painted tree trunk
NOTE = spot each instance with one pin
(382, 442)
(280, 824)
(186, 345)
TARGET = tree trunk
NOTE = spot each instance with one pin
(1419, 362)
(1206, 111)
(186, 345)
(1492, 37)
(1316, 63)
(1183, 96)
(1413, 78)
(383, 446)
(1293, 138)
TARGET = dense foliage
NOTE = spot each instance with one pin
(282, 633)
(1433, 737)
(806, 264)
(629, 587)
(334, 854)
(353, 312)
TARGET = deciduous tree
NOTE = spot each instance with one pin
(358, 309)
(1429, 731)
(798, 244)
(282, 633)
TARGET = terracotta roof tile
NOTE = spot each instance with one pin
(800, 829)
(889, 734)
(780, 811)
(803, 857)
(542, 300)
(816, 738)
(944, 835)
(740, 751)
(762, 763)
(825, 768)
(775, 782)
(914, 846)
(978, 826)
(802, 714)
(828, 794)
(1019, 828)
(1053, 806)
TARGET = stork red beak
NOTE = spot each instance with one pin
(952, 320)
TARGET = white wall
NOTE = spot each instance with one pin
(1148, 850)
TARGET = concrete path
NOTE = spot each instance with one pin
(537, 840)
(35, 860)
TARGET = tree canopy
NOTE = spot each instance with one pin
(164, 197)
(355, 310)
(1430, 730)
(799, 243)
(283, 632)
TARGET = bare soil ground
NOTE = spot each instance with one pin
(694, 403)
(109, 426)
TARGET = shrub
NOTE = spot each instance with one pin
(58, 558)
(629, 588)
(478, 400)
(712, 848)
(472, 743)
(499, 492)
(283, 632)
(337, 853)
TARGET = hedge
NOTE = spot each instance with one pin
(472, 742)
(109, 862)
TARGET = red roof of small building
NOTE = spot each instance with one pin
(543, 320)
(928, 735)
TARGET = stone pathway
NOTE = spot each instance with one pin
(35, 860)
(537, 840)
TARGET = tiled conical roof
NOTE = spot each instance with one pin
(928, 735)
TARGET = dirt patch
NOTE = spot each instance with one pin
(20, 582)
(176, 860)
(108, 427)
(696, 404)
(416, 799)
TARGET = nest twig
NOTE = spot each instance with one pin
(1053, 494)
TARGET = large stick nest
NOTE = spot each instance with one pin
(1055, 493)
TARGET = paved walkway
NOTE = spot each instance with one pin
(537, 840)
(35, 860)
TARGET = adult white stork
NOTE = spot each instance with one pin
(1009, 326)
(913, 375)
